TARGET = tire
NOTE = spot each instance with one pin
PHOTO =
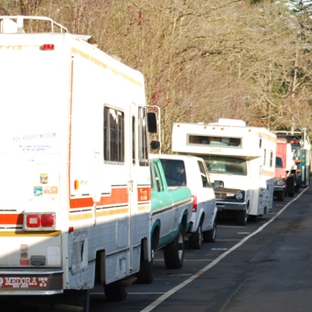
(242, 217)
(115, 291)
(211, 235)
(174, 252)
(197, 238)
(281, 196)
(291, 185)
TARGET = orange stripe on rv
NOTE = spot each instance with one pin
(117, 196)
(11, 219)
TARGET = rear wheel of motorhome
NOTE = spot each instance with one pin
(197, 238)
(174, 252)
(115, 291)
(242, 217)
(211, 235)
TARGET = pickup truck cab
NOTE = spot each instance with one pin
(191, 171)
(171, 210)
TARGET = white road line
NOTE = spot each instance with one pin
(166, 295)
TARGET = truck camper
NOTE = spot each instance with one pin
(285, 170)
(75, 177)
(301, 149)
(240, 161)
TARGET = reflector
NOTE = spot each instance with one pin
(47, 47)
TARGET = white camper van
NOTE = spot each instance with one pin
(75, 177)
(240, 162)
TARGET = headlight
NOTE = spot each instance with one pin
(239, 195)
(279, 182)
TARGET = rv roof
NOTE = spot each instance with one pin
(229, 122)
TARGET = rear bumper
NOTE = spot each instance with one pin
(31, 282)
(232, 206)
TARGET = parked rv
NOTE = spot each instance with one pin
(240, 161)
(192, 172)
(75, 178)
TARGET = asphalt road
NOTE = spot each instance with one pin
(263, 266)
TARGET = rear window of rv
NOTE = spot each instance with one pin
(214, 141)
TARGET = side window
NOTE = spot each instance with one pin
(264, 158)
(271, 159)
(142, 134)
(133, 140)
(114, 128)
(203, 173)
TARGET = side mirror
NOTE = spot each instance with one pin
(155, 145)
(151, 122)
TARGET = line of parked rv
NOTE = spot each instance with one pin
(231, 170)
(81, 201)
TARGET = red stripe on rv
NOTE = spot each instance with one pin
(117, 196)
(11, 219)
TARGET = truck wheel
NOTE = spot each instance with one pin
(290, 185)
(115, 291)
(281, 196)
(196, 238)
(211, 235)
(174, 252)
(242, 217)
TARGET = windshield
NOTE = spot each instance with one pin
(221, 164)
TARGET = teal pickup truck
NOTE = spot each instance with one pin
(171, 214)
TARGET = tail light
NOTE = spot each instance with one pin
(39, 221)
(47, 47)
(194, 203)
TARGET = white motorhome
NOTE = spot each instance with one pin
(75, 177)
(240, 161)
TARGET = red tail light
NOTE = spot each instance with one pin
(194, 203)
(47, 220)
(47, 47)
(39, 221)
(33, 220)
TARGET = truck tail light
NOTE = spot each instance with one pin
(194, 203)
(39, 221)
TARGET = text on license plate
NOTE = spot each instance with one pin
(24, 282)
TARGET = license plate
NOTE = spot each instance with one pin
(22, 282)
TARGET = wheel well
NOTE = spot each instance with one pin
(155, 237)
(99, 277)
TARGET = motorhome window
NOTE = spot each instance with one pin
(142, 137)
(133, 140)
(278, 162)
(174, 171)
(264, 156)
(214, 141)
(203, 173)
(260, 143)
(114, 135)
(271, 159)
(226, 165)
